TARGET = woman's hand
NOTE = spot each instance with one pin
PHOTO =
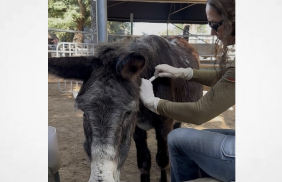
(164, 70)
(147, 96)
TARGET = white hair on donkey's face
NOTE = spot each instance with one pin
(104, 171)
(110, 104)
(104, 168)
(105, 156)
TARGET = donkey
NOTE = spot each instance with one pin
(109, 99)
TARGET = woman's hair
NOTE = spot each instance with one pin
(225, 8)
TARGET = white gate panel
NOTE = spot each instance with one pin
(69, 49)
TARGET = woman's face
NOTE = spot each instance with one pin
(215, 18)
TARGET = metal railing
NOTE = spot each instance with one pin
(68, 49)
(69, 86)
(64, 49)
(204, 44)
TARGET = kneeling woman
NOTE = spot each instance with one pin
(199, 153)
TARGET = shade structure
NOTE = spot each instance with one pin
(189, 12)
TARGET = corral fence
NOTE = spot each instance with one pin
(69, 49)
(204, 45)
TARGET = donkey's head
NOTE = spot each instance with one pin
(109, 98)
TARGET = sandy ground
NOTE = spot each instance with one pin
(75, 166)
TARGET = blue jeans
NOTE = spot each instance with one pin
(199, 153)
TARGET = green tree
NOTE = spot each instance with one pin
(75, 15)
(118, 27)
(69, 15)
(122, 28)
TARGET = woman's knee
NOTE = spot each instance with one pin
(186, 137)
(174, 134)
(178, 136)
(172, 137)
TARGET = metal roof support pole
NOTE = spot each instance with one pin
(131, 22)
(168, 19)
(101, 8)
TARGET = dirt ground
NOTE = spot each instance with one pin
(75, 166)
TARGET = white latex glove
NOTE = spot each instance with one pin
(164, 70)
(147, 96)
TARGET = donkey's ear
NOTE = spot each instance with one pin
(79, 68)
(130, 66)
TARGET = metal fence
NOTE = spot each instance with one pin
(204, 44)
(68, 49)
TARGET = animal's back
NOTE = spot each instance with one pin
(174, 51)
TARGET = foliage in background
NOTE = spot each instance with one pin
(75, 15)
(118, 27)
(122, 28)
(68, 15)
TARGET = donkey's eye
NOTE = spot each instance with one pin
(128, 113)
(125, 115)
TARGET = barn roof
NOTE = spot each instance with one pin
(164, 11)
